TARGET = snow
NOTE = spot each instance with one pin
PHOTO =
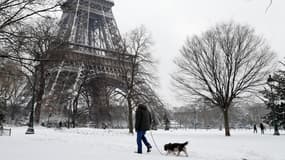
(110, 144)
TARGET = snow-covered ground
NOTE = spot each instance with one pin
(96, 144)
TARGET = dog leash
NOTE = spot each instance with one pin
(155, 143)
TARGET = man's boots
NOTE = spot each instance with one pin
(149, 148)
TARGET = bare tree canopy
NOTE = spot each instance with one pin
(139, 75)
(222, 64)
(15, 11)
(139, 43)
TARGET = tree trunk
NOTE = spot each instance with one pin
(13, 111)
(226, 122)
(131, 127)
(40, 93)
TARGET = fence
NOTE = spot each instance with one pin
(5, 132)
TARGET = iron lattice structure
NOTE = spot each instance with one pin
(91, 59)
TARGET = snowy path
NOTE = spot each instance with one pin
(94, 144)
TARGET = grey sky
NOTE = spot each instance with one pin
(171, 21)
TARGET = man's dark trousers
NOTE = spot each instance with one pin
(140, 138)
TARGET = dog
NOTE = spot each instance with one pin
(176, 147)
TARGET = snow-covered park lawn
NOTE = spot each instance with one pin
(96, 144)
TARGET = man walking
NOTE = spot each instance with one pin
(142, 124)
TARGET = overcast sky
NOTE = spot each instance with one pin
(171, 21)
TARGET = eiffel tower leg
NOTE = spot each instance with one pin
(99, 110)
(59, 92)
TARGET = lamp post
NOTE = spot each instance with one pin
(271, 82)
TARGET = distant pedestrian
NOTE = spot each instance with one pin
(142, 124)
(254, 128)
(262, 128)
(59, 124)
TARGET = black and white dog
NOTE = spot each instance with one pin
(176, 147)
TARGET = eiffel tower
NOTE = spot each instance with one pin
(91, 59)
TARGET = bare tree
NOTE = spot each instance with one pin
(28, 48)
(139, 71)
(42, 38)
(14, 14)
(226, 62)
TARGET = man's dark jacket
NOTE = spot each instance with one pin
(143, 118)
